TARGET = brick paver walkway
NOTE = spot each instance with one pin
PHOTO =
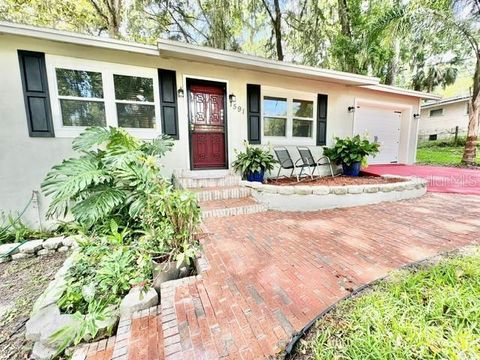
(271, 273)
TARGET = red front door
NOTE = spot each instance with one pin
(207, 126)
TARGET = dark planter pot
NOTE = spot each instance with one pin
(167, 271)
(351, 170)
(256, 176)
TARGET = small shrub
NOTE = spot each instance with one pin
(446, 142)
(253, 159)
(350, 150)
(13, 229)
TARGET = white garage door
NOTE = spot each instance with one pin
(382, 126)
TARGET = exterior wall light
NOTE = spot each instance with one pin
(415, 116)
(180, 93)
(351, 109)
(232, 98)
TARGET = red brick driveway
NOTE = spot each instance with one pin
(271, 273)
(442, 179)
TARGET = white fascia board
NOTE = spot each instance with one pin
(446, 102)
(75, 38)
(402, 91)
(175, 49)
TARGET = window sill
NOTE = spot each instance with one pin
(288, 141)
(73, 132)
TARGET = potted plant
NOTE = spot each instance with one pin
(253, 162)
(351, 153)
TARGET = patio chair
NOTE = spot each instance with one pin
(285, 161)
(308, 161)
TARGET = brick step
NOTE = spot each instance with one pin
(221, 193)
(207, 182)
(230, 207)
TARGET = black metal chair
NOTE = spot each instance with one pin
(308, 161)
(285, 161)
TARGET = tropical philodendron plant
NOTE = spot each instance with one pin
(351, 153)
(253, 162)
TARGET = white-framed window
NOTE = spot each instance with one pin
(288, 117)
(436, 112)
(92, 93)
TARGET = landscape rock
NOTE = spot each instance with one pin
(63, 249)
(271, 189)
(6, 248)
(70, 240)
(32, 246)
(45, 252)
(22, 256)
(355, 189)
(42, 352)
(105, 326)
(286, 190)
(37, 321)
(4, 259)
(52, 326)
(410, 186)
(339, 190)
(321, 190)
(53, 243)
(51, 295)
(136, 300)
(65, 267)
(303, 190)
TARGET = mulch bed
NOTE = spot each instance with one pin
(21, 283)
(335, 181)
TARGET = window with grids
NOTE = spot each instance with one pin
(81, 97)
(94, 93)
(288, 117)
(302, 123)
(134, 101)
(275, 116)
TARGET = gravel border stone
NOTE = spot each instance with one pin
(37, 247)
(303, 197)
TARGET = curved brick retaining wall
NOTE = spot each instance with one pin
(313, 198)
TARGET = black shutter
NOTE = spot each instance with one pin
(253, 113)
(322, 105)
(35, 93)
(168, 102)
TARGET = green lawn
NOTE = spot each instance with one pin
(439, 155)
(428, 313)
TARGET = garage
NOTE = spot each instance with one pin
(383, 126)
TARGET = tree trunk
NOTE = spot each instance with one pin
(393, 64)
(111, 13)
(344, 18)
(278, 30)
(470, 151)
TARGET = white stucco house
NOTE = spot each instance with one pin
(439, 119)
(53, 84)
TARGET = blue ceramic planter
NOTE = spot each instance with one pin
(351, 170)
(256, 176)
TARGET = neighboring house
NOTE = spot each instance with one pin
(54, 83)
(440, 119)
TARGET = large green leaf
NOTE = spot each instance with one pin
(98, 204)
(66, 181)
(92, 137)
